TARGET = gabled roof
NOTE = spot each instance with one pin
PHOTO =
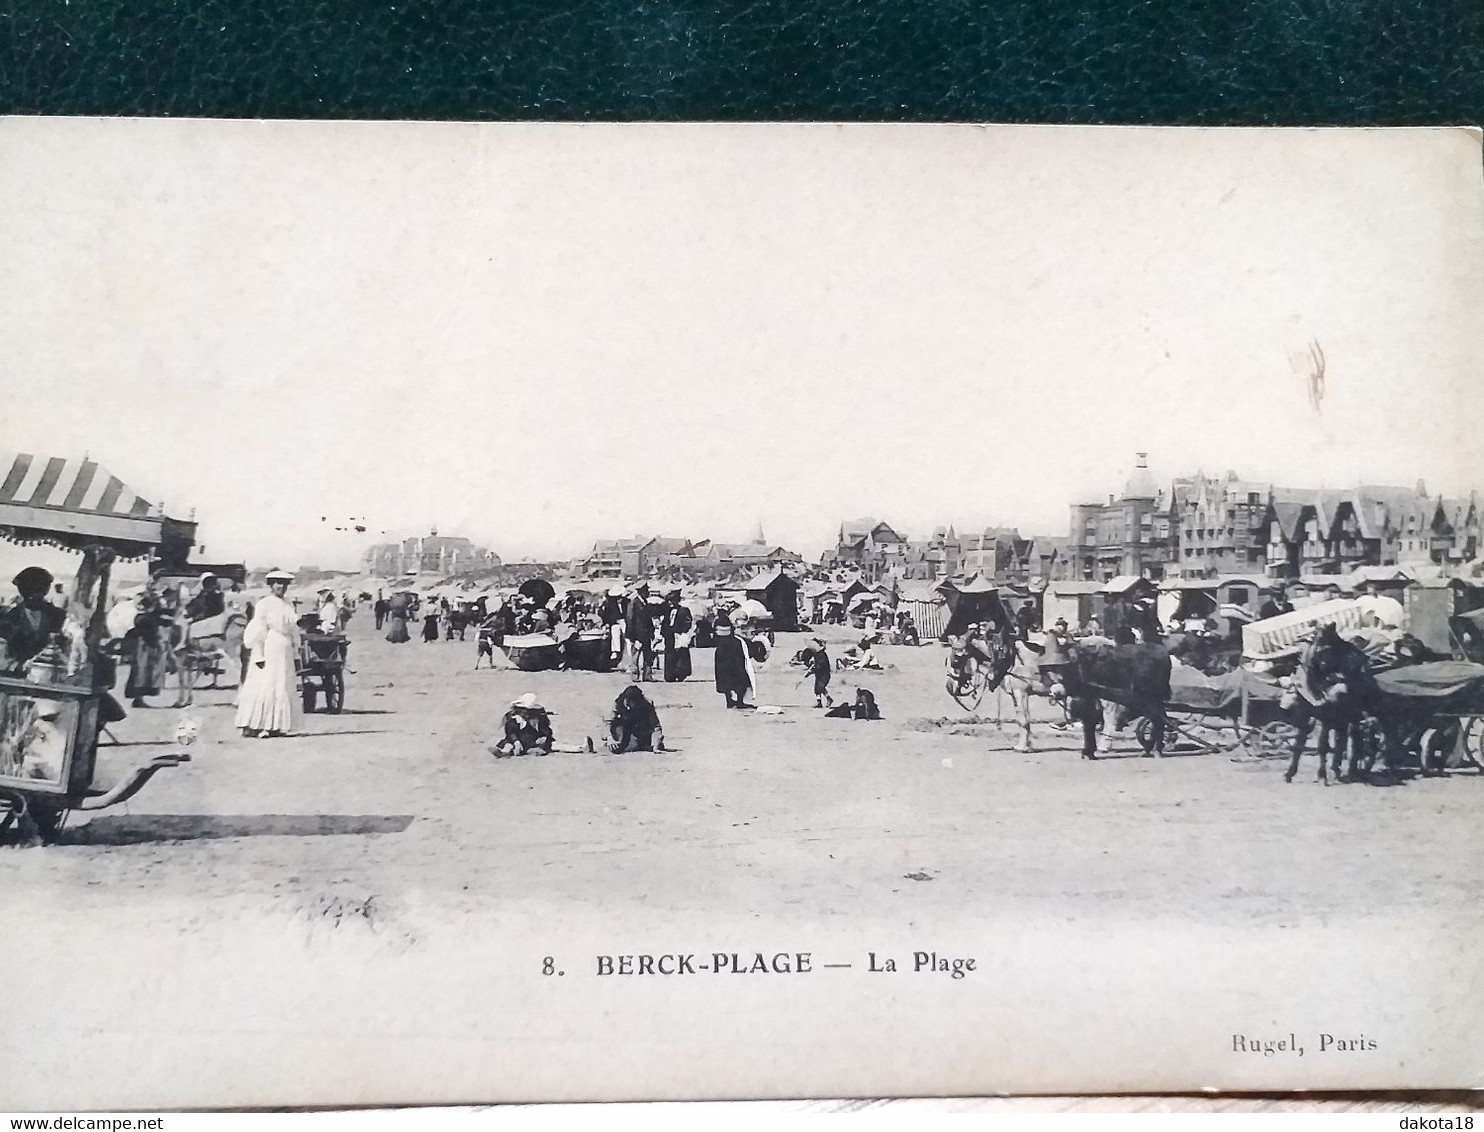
(1289, 516)
(974, 584)
(1125, 582)
(1069, 588)
(855, 531)
(1326, 504)
(661, 545)
(763, 581)
(1394, 504)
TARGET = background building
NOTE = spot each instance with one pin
(430, 554)
(1129, 535)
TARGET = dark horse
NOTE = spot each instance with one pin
(1334, 689)
(1208, 655)
(1134, 678)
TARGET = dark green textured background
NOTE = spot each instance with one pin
(1214, 61)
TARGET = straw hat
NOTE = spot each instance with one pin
(278, 576)
(528, 702)
(615, 591)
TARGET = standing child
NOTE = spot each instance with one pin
(818, 663)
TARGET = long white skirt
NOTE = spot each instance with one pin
(268, 701)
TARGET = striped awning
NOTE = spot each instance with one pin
(76, 501)
(72, 484)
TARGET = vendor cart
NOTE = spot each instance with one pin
(52, 705)
(321, 669)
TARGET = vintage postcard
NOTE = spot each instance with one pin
(560, 613)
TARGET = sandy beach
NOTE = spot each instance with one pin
(381, 864)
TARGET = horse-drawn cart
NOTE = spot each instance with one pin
(1218, 714)
(1432, 714)
(321, 669)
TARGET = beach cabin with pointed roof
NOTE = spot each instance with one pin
(780, 593)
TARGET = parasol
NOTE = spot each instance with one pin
(751, 609)
(538, 590)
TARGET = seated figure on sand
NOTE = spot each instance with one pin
(634, 724)
(526, 730)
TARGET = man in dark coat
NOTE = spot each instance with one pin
(380, 609)
(675, 622)
(1276, 605)
(639, 627)
(28, 626)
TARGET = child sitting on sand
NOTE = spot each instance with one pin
(527, 731)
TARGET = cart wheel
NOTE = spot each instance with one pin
(1144, 733)
(335, 692)
(1472, 742)
(1275, 740)
(308, 697)
(1432, 750)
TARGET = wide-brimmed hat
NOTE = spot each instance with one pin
(207, 577)
(278, 576)
(672, 591)
(528, 701)
(615, 591)
(818, 641)
(33, 576)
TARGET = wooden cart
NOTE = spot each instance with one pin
(321, 670)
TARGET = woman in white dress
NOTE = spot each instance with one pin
(268, 705)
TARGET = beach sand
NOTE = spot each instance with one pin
(363, 912)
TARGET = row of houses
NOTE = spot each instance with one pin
(1205, 526)
(658, 556)
(877, 551)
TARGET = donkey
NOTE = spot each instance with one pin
(1097, 682)
(1333, 689)
(201, 647)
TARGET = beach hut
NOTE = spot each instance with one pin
(926, 606)
(1075, 602)
(1244, 591)
(780, 594)
(1123, 597)
(975, 598)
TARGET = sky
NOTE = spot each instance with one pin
(539, 335)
